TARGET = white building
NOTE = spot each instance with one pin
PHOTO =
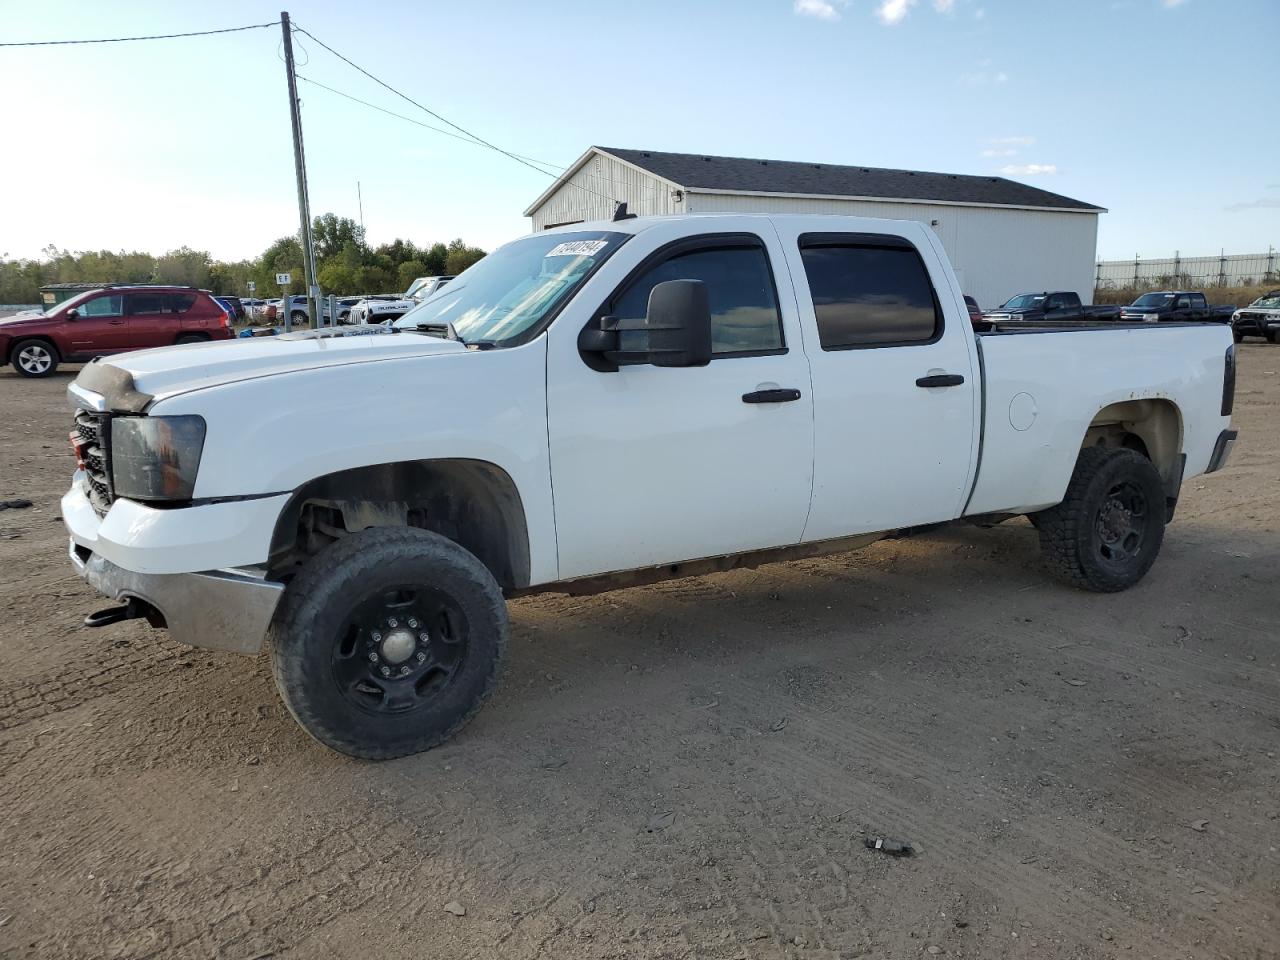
(1003, 237)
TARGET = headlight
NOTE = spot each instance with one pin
(1151, 317)
(156, 458)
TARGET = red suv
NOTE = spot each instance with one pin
(110, 320)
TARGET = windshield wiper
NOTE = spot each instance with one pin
(444, 330)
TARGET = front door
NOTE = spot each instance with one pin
(895, 382)
(656, 465)
(100, 326)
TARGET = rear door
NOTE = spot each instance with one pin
(895, 378)
(152, 322)
(654, 465)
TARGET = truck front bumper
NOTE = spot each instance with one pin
(218, 609)
(197, 566)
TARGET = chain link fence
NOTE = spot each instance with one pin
(1178, 272)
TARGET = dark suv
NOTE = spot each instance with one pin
(110, 320)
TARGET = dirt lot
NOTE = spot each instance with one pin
(1086, 776)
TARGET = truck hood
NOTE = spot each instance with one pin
(146, 375)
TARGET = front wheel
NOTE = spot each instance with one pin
(298, 317)
(1105, 534)
(35, 358)
(388, 642)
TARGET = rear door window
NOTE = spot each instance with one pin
(869, 294)
(147, 304)
(181, 302)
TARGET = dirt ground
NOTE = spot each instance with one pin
(683, 770)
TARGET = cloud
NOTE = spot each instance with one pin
(1011, 141)
(992, 152)
(1029, 169)
(1170, 4)
(944, 6)
(818, 9)
(893, 12)
(980, 13)
(1262, 203)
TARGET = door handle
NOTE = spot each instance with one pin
(117, 323)
(778, 395)
(941, 380)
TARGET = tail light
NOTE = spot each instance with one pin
(226, 317)
(1229, 382)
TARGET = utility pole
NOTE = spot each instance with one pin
(360, 201)
(300, 170)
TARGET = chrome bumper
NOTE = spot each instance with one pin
(217, 609)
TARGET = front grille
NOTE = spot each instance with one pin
(94, 430)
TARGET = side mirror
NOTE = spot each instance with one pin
(72, 314)
(676, 331)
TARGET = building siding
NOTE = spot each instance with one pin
(590, 194)
(996, 252)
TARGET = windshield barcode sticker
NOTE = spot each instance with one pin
(578, 248)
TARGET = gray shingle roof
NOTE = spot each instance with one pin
(695, 171)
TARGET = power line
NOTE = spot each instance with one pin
(477, 139)
(158, 36)
(401, 116)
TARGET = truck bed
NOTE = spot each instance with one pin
(1042, 392)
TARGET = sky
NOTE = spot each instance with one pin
(1162, 111)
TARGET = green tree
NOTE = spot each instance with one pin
(410, 271)
(461, 256)
(330, 233)
(184, 267)
(436, 260)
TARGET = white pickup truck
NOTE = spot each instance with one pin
(599, 406)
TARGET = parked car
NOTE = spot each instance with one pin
(107, 321)
(384, 308)
(424, 287)
(1058, 306)
(225, 304)
(238, 311)
(975, 311)
(299, 316)
(1169, 305)
(1260, 319)
(849, 399)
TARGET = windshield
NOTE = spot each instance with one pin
(75, 301)
(1024, 302)
(512, 290)
(416, 286)
(1153, 300)
(1271, 301)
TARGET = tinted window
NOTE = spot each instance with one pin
(182, 302)
(101, 307)
(147, 303)
(744, 308)
(863, 296)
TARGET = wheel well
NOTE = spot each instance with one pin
(1151, 427)
(473, 503)
(190, 335)
(8, 350)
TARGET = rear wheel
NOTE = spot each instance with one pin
(35, 358)
(1105, 534)
(389, 642)
(191, 338)
(298, 317)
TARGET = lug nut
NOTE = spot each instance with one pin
(404, 670)
(420, 657)
(423, 637)
(392, 622)
(373, 656)
(385, 671)
(376, 637)
(413, 623)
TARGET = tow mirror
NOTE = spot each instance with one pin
(676, 331)
(72, 314)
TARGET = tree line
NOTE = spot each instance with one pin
(345, 264)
